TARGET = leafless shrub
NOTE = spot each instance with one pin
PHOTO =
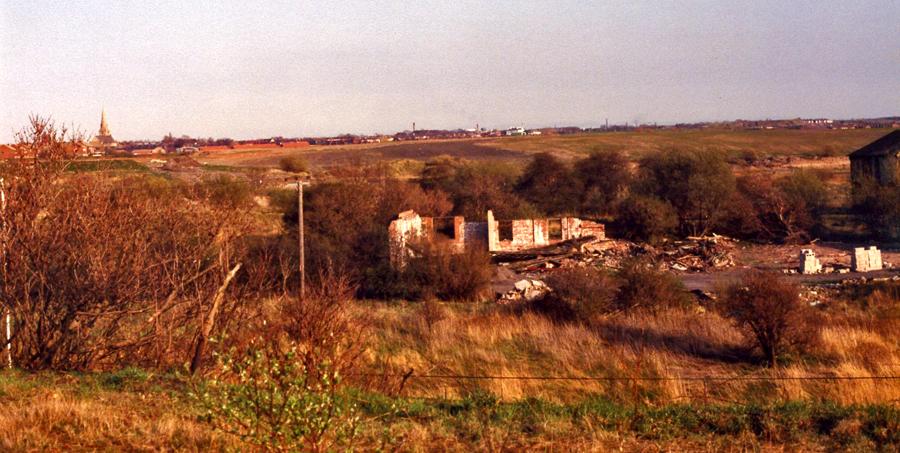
(322, 325)
(579, 294)
(439, 270)
(769, 312)
(94, 272)
(643, 287)
(783, 210)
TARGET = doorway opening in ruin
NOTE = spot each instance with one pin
(554, 229)
(505, 230)
(444, 227)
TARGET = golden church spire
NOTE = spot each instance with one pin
(104, 128)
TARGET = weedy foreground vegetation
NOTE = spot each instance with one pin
(151, 312)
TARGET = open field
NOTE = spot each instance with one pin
(762, 143)
(324, 156)
(800, 143)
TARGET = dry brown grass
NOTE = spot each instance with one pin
(70, 413)
(57, 412)
(677, 342)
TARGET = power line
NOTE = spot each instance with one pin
(621, 378)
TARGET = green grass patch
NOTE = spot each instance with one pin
(480, 415)
(121, 165)
(223, 168)
(788, 422)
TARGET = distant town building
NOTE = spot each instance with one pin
(147, 151)
(515, 131)
(878, 161)
(103, 142)
(8, 152)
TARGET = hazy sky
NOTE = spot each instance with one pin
(254, 69)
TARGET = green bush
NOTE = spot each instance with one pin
(268, 398)
(645, 218)
(804, 187)
(476, 187)
(605, 176)
(698, 184)
(550, 185)
(879, 207)
(293, 163)
(225, 191)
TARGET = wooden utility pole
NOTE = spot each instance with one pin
(300, 234)
(302, 292)
(8, 316)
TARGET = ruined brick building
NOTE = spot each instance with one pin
(492, 234)
(878, 161)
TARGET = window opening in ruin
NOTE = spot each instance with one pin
(554, 229)
(505, 228)
(444, 226)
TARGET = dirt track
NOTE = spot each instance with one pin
(708, 281)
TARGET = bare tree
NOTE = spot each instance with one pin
(769, 312)
(96, 269)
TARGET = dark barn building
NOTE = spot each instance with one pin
(878, 161)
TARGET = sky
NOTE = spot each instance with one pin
(308, 68)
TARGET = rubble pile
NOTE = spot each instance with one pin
(525, 290)
(181, 163)
(699, 254)
(692, 255)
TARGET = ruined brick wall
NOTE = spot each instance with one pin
(530, 233)
(526, 233)
(407, 227)
(866, 259)
(575, 228)
(809, 264)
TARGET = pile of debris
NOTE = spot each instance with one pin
(696, 254)
(525, 290)
(699, 254)
(181, 163)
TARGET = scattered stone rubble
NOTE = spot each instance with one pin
(525, 290)
(697, 254)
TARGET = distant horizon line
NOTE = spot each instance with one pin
(583, 125)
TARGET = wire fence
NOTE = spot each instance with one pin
(626, 378)
(697, 388)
